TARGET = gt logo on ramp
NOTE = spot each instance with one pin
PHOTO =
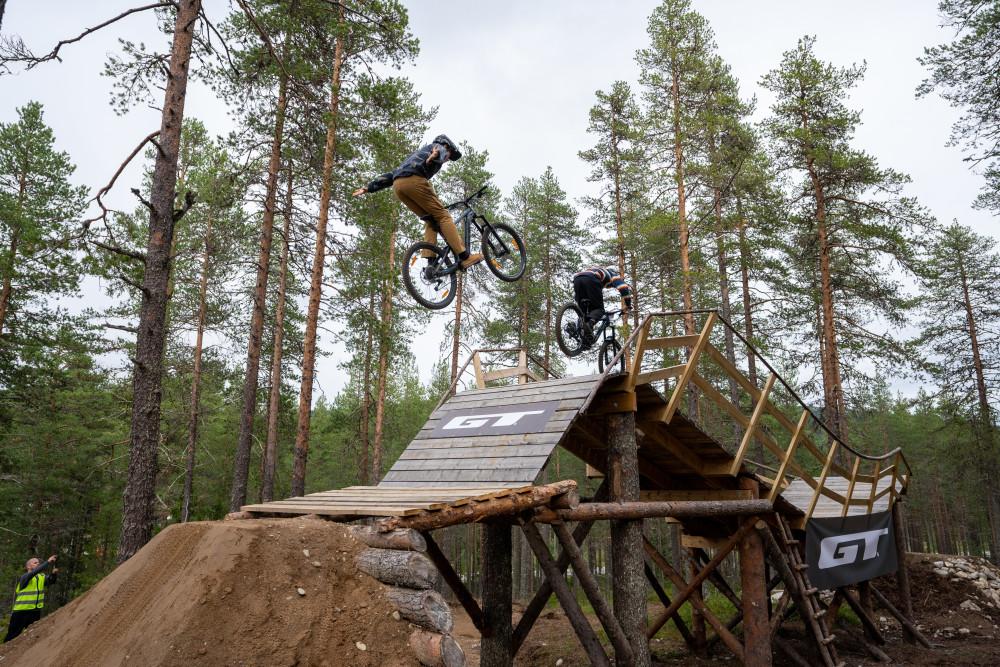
(833, 552)
(501, 419)
(495, 420)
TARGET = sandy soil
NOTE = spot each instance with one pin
(227, 593)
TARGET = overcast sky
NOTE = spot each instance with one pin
(517, 78)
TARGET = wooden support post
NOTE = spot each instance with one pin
(544, 592)
(497, 648)
(665, 600)
(455, 583)
(905, 622)
(477, 366)
(753, 579)
(697, 620)
(685, 595)
(591, 644)
(864, 615)
(593, 592)
(903, 573)
(628, 586)
(685, 590)
(522, 363)
(756, 624)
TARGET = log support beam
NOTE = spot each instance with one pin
(588, 639)
(497, 648)
(628, 585)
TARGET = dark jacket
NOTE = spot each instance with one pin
(417, 165)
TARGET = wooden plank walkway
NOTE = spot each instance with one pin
(365, 501)
(800, 494)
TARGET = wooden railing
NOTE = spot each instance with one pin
(486, 370)
(809, 450)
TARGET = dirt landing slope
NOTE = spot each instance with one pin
(227, 594)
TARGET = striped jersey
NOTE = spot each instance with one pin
(609, 279)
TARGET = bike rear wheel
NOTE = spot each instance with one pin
(609, 349)
(504, 252)
(569, 330)
(425, 281)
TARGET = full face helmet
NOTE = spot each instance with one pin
(453, 153)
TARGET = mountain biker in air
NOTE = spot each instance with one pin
(411, 184)
(588, 286)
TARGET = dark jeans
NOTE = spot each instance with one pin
(19, 620)
(588, 288)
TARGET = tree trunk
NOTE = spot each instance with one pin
(270, 462)
(629, 581)
(497, 648)
(407, 540)
(316, 286)
(140, 485)
(241, 462)
(616, 175)
(8, 278)
(681, 199)
(385, 334)
(456, 339)
(364, 415)
(985, 427)
(747, 303)
(196, 378)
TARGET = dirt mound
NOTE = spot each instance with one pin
(261, 592)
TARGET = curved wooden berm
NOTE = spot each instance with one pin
(740, 465)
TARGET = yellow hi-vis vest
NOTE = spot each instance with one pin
(32, 596)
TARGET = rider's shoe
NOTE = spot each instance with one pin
(429, 271)
(472, 260)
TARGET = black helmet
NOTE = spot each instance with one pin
(453, 152)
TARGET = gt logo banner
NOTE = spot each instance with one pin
(495, 420)
(848, 550)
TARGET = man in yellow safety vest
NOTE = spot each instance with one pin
(30, 596)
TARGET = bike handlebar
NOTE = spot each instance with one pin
(468, 200)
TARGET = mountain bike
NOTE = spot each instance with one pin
(432, 280)
(571, 339)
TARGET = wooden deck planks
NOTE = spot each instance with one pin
(800, 494)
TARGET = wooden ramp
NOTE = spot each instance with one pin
(443, 458)
(490, 439)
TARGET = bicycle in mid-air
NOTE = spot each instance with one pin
(572, 341)
(432, 282)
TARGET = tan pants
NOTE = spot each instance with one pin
(419, 196)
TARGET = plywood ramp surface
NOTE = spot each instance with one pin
(465, 441)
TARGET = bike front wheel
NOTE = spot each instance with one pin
(504, 252)
(569, 330)
(609, 349)
(428, 279)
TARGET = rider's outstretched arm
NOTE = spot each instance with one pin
(380, 183)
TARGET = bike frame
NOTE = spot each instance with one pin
(605, 324)
(468, 219)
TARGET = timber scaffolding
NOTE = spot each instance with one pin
(654, 433)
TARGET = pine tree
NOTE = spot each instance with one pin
(853, 223)
(37, 205)
(964, 72)
(959, 275)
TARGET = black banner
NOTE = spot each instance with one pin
(495, 420)
(848, 550)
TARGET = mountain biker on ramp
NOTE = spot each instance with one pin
(588, 291)
(410, 183)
